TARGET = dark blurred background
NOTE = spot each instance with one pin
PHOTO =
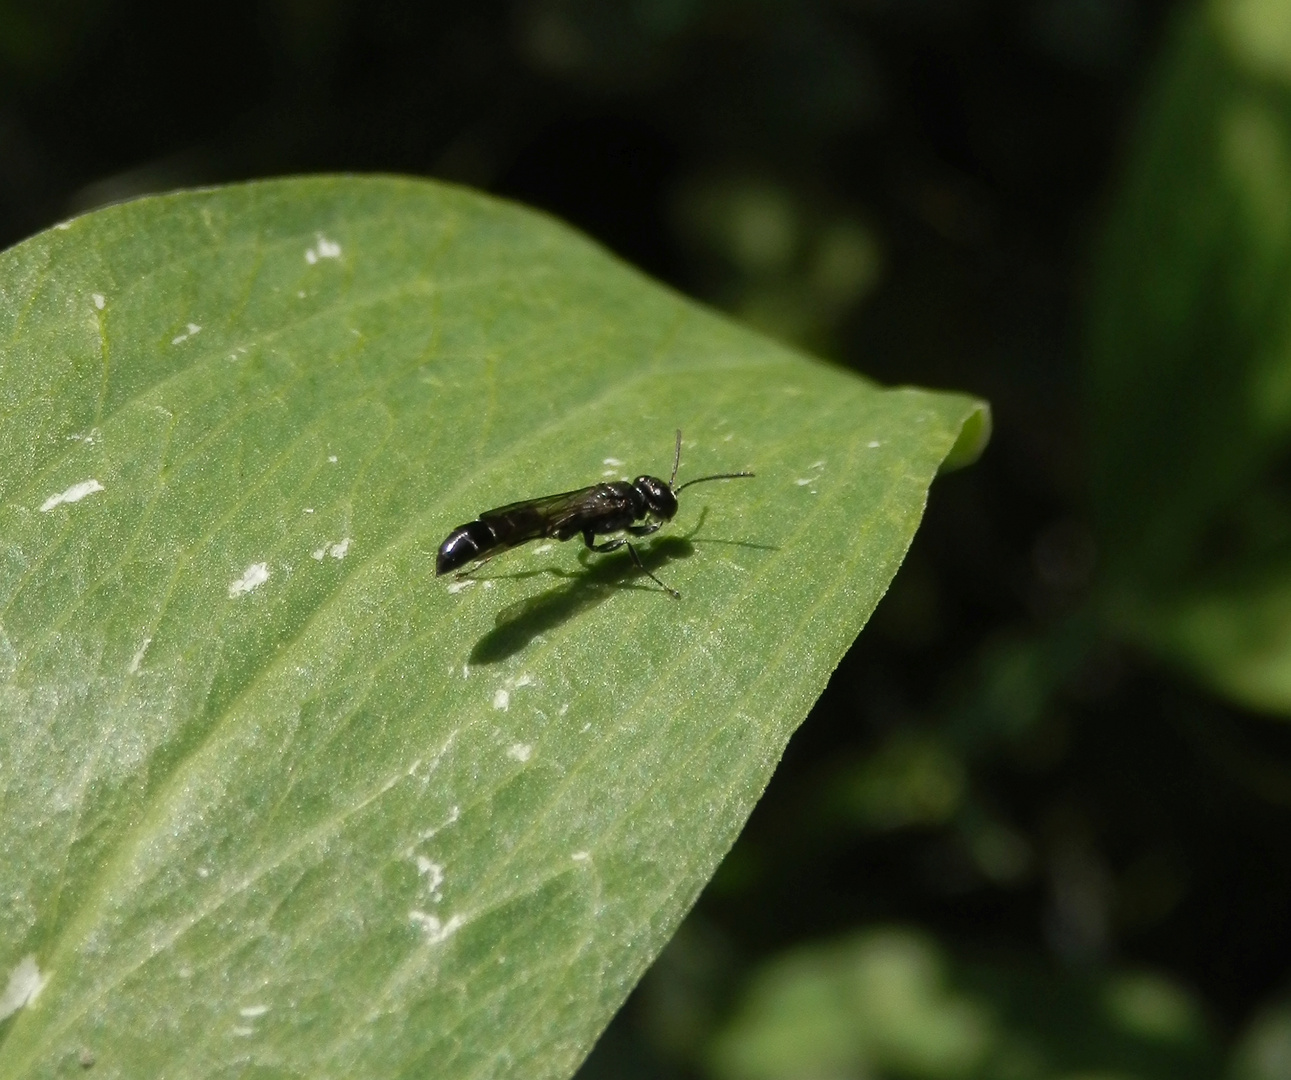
(1025, 832)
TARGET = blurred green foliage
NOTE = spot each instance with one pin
(1190, 361)
(1264, 1052)
(910, 188)
(890, 1002)
(911, 779)
(793, 269)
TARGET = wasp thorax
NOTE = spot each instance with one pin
(660, 500)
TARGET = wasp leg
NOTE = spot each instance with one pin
(475, 566)
(614, 545)
(641, 566)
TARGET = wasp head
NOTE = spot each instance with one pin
(659, 498)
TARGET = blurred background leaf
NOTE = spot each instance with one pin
(890, 1002)
(1264, 1050)
(1073, 769)
(1190, 361)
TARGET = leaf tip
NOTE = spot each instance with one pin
(974, 434)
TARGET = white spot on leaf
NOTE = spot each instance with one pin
(192, 331)
(252, 577)
(804, 481)
(520, 752)
(324, 249)
(99, 300)
(336, 550)
(252, 1011)
(435, 930)
(75, 493)
(433, 872)
(502, 698)
(454, 812)
(137, 659)
(24, 986)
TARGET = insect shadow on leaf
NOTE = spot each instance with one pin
(518, 624)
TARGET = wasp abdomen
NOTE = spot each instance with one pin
(464, 545)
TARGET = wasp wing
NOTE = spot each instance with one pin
(561, 516)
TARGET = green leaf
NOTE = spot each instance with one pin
(273, 799)
(1191, 360)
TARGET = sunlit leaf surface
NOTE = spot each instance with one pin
(274, 797)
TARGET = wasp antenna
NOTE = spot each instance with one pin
(715, 476)
(676, 461)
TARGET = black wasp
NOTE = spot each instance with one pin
(638, 509)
